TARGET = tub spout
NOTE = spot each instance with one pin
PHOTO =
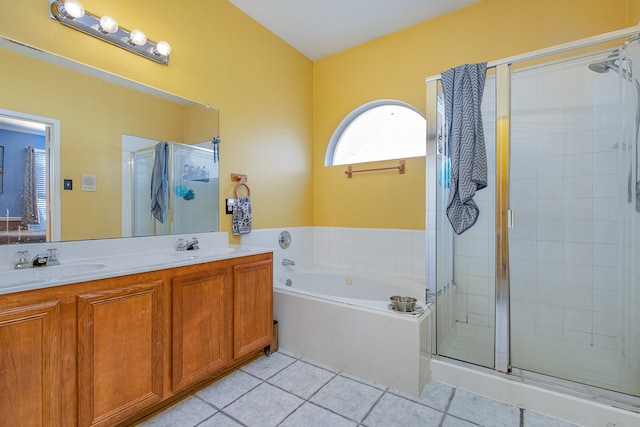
(287, 262)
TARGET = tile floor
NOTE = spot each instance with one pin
(288, 391)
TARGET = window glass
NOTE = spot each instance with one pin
(379, 130)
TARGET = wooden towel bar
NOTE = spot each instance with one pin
(400, 167)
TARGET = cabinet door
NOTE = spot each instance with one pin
(30, 365)
(201, 326)
(252, 307)
(119, 352)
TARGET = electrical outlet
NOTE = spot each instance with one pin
(229, 204)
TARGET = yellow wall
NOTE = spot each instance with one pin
(220, 57)
(634, 12)
(396, 67)
(278, 109)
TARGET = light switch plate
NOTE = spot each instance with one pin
(88, 183)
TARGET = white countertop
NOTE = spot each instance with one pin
(100, 259)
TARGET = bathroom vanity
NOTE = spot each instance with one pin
(111, 350)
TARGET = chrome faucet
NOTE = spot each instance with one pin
(189, 245)
(40, 260)
(287, 262)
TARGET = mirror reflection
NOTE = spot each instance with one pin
(80, 149)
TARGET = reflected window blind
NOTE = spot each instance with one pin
(41, 184)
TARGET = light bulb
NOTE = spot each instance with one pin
(163, 48)
(108, 24)
(74, 9)
(137, 37)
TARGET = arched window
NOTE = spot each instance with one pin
(379, 130)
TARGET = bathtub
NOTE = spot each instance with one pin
(342, 319)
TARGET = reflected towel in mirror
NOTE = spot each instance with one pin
(159, 182)
(241, 222)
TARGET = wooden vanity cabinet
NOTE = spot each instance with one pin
(30, 368)
(107, 352)
(252, 307)
(200, 324)
(120, 349)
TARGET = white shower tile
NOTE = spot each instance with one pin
(577, 253)
(577, 187)
(605, 278)
(524, 229)
(478, 266)
(605, 255)
(606, 342)
(606, 301)
(523, 168)
(578, 142)
(549, 251)
(577, 275)
(605, 232)
(548, 315)
(578, 209)
(578, 320)
(549, 229)
(552, 166)
(549, 293)
(606, 163)
(547, 272)
(578, 297)
(524, 290)
(578, 337)
(477, 247)
(578, 165)
(605, 209)
(577, 231)
(549, 209)
(550, 187)
(478, 285)
(550, 145)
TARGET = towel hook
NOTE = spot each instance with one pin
(242, 181)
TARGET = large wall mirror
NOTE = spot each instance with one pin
(82, 149)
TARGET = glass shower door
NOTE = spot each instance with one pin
(570, 190)
(465, 271)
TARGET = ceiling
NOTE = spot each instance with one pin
(318, 28)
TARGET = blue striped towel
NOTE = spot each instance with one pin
(463, 87)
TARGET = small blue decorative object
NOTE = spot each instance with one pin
(181, 190)
(190, 195)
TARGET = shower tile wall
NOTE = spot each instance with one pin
(564, 175)
(400, 253)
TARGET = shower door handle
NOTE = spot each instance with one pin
(510, 218)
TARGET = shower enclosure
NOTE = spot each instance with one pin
(545, 285)
(192, 191)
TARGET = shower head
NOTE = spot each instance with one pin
(603, 67)
(607, 64)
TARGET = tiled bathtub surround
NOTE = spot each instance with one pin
(285, 390)
(399, 253)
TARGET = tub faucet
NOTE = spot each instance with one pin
(287, 262)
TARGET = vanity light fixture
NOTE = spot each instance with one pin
(72, 14)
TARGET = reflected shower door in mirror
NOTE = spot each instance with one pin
(191, 175)
(93, 115)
